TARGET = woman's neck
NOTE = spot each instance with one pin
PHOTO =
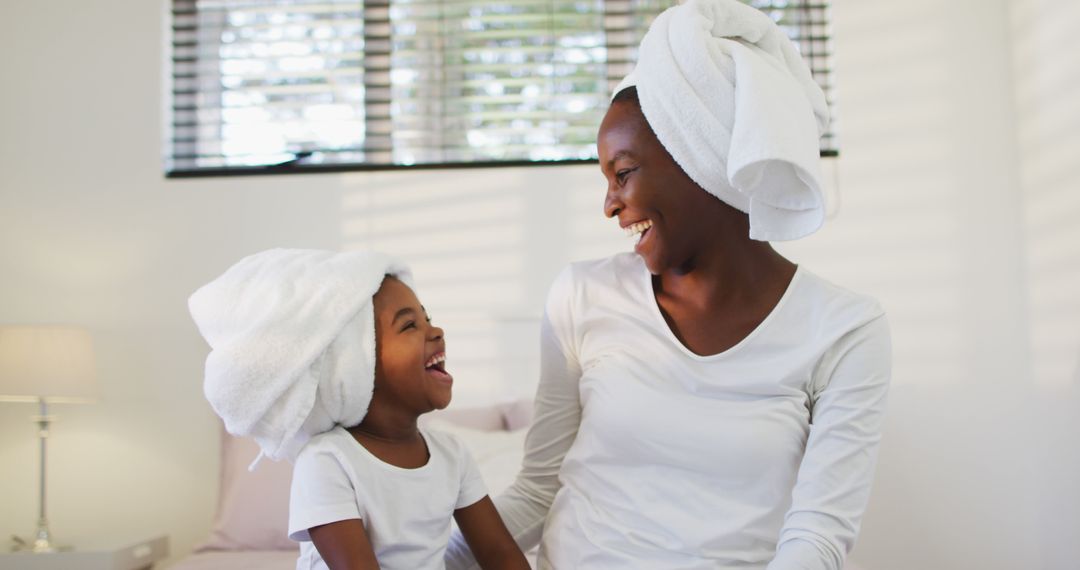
(729, 271)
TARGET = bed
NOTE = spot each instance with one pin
(248, 531)
(249, 528)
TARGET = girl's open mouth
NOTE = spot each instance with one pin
(436, 366)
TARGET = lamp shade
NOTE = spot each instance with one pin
(51, 362)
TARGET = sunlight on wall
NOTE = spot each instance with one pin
(1047, 91)
(896, 167)
(925, 224)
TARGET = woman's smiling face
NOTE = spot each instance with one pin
(410, 352)
(649, 194)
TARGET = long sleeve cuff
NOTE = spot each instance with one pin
(801, 555)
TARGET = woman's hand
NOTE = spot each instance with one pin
(488, 538)
(344, 545)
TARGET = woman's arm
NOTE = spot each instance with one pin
(344, 545)
(488, 538)
(848, 407)
(525, 505)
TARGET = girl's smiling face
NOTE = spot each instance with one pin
(410, 373)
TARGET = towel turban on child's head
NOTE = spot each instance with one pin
(293, 339)
(735, 105)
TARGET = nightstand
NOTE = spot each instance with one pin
(137, 556)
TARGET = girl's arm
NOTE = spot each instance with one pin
(323, 508)
(344, 545)
(488, 538)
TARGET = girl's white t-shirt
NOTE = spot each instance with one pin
(406, 512)
(643, 454)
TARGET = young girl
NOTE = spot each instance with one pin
(329, 359)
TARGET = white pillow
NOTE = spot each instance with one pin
(253, 507)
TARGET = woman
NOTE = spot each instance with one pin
(704, 403)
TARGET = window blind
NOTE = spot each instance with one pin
(315, 85)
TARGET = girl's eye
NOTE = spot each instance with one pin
(409, 325)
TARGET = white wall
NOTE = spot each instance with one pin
(1046, 72)
(951, 213)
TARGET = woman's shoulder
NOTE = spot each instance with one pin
(599, 275)
(595, 284)
(608, 267)
(835, 306)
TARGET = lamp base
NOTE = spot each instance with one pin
(42, 544)
(43, 541)
(22, 546)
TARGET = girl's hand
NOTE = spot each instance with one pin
(488, 538)
(344, 545)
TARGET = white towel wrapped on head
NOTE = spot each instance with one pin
(293, 339)
(735, 105)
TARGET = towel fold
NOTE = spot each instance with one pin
(292, 334)
(733, 102)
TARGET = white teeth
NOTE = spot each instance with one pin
(441, 357)
(635, 229)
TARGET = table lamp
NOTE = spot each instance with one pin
(45, 365)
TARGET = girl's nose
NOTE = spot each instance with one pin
(436, 333)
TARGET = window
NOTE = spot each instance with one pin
(316, 85)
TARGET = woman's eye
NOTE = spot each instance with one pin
(622, 174)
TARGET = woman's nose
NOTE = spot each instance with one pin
(612, 204)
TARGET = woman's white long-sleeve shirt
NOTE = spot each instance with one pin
(645, 455)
